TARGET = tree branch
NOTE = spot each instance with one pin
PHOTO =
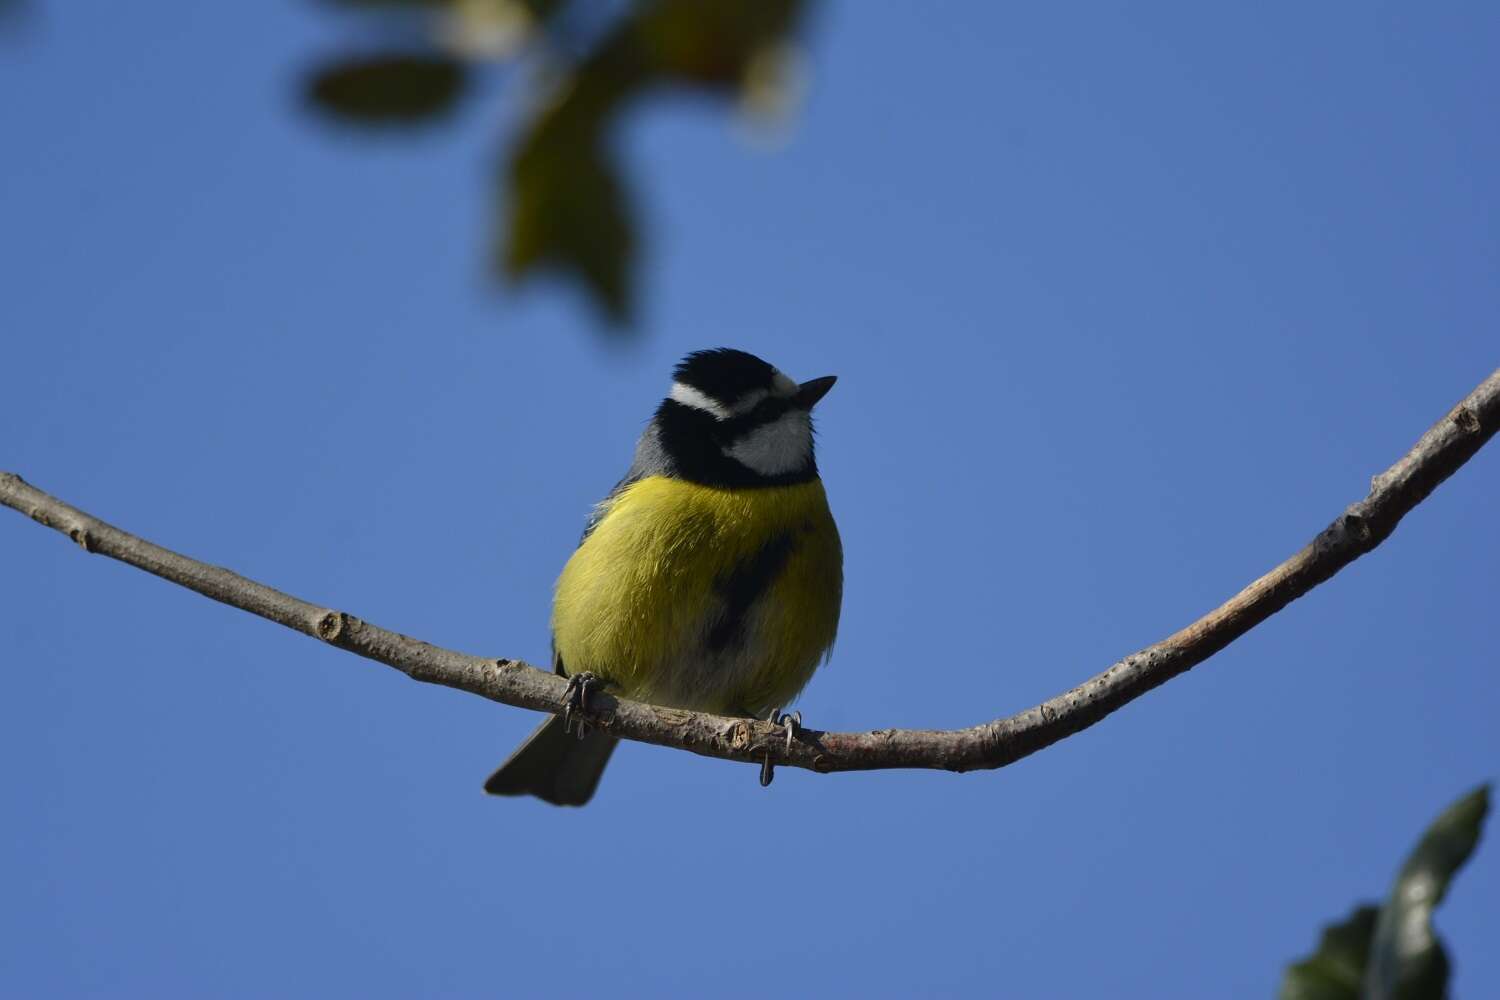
(1364, 525)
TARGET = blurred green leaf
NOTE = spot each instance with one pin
(1393, 953)
(568, 213)
(1406, 957)
(710, 44)
(1336, 969)
(568, 209)
(389, 4)
(542, 10)
(387, 89)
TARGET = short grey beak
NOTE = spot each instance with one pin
(813, 390)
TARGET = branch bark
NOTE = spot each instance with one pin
(1362, 526)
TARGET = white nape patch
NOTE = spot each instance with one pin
(699, 400)
(776, 448)
(748, 401)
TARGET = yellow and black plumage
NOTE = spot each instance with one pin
(710, 578)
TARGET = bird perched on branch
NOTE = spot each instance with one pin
(709, 578)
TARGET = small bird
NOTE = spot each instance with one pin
(709, 578)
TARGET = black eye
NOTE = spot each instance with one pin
(768, 409)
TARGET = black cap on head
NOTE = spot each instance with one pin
(724, 373)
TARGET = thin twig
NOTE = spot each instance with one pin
(1364, 525)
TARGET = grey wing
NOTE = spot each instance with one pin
(597, 514)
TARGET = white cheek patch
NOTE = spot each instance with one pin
(784, 385)
(777, 448)
(699, 400)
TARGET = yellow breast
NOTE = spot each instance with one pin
(722, 600)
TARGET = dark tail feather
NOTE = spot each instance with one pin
(554, 765)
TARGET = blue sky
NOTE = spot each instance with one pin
(1126, 304)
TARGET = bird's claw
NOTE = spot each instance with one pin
(576, 699)
(792, 722)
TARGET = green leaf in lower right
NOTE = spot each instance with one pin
(1392, 952)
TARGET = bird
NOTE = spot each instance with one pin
(710, 578)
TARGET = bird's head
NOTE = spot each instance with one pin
(732, 418)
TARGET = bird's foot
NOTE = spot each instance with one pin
(792, 722)
(576, 699)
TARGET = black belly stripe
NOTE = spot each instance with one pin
(742, 588)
